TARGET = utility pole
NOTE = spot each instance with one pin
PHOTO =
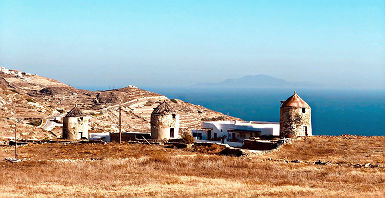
(120, 124)
(15, 142)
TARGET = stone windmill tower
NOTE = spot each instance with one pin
(295, 117)
(164, 122)
(75, 125)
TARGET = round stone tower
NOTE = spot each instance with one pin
(295, 117)
(164, 122)
(75, 125)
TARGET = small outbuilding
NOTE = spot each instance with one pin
(295, 117)
(164, 122)
(75, 125)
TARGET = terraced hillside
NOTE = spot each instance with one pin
(38, 104)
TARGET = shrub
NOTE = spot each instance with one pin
(96, 114)
(35, 122)
(46, 138)
(30, 100)
(187, 138)
(218, 118)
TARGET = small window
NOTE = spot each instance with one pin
(171, 132)
(173, 116)
(303, 110)
(215, 136)
(305, 130)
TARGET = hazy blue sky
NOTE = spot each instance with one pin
(162, 43)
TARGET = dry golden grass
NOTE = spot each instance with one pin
(345, 149)
(51, 170)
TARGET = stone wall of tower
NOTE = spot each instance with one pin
(72, 126)
(293, 122)
(161, 125)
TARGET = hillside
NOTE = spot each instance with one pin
(38, 105)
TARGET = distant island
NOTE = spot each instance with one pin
(257, 81)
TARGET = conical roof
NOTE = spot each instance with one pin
(164, 108)
(295, 101)
(75, 112)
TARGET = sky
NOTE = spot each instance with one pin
(164, 43)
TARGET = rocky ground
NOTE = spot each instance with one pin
(37, 105)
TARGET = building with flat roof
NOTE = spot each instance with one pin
(236, 131)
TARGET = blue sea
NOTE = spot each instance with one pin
(334, 112)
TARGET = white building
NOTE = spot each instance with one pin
(235, 130)
(100, 136)
(4, 70)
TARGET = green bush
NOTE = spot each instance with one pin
(30, 100)
(96, 114)
(35, 122)
(218, 118)
(187, 138)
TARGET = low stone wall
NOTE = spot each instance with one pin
(129, 136)
(259, 145)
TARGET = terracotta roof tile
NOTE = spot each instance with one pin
(295, 101)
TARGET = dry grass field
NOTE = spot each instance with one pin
(97, 170)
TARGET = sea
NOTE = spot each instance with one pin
(334, 112)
